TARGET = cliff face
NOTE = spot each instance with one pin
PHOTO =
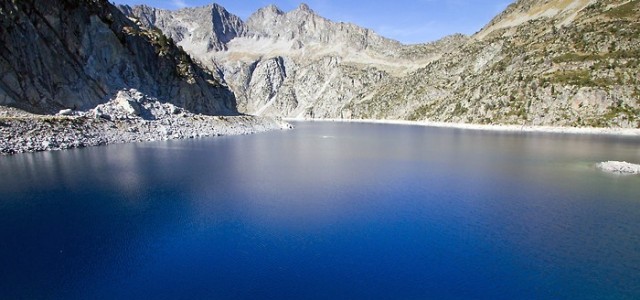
(63, 54)
(540, 62)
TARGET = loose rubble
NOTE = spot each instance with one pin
(130, 117)
(619, 167)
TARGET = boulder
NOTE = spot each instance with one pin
(619, 167)
(65, 112)
(127, 103)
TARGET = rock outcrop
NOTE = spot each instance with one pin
(75, 54)
(619, 167)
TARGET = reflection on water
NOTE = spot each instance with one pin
(324, 211)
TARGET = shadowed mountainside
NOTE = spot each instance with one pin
(62, 54)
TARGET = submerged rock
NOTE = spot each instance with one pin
(619, 167)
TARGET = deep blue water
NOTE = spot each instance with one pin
(326, 211)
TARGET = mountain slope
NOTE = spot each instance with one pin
(62, 54)
(540, 62)
(562, 12)
(569, 63)
(294, 63)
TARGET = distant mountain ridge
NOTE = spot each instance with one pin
(211, 29)
(294, 63)
(304, 27)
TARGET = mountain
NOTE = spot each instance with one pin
(552, 62)
(540, 62)
(62, 54)
(294, 63)
(303, 27)
(201, 30)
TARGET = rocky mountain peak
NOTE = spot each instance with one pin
(210, 28)
(270, 9)
(216, 6)
(226, 26)
(302, 26)
(218, 10)
(303, 7)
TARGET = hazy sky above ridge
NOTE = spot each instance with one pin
(408, 21)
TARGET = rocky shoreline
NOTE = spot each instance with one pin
(130, 117)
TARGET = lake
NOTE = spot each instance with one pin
(325, 211)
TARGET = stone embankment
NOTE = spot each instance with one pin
(130, 117)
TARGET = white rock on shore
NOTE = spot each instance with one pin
(619, 167)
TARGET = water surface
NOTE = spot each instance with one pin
(328, 210)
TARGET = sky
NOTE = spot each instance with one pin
(408, 21)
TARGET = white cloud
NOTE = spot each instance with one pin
(180, 3)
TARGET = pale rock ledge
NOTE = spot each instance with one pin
(619, 167)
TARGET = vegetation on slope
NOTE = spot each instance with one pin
(545, 71)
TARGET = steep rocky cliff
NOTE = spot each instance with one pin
(62, 54)
(540, 62)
